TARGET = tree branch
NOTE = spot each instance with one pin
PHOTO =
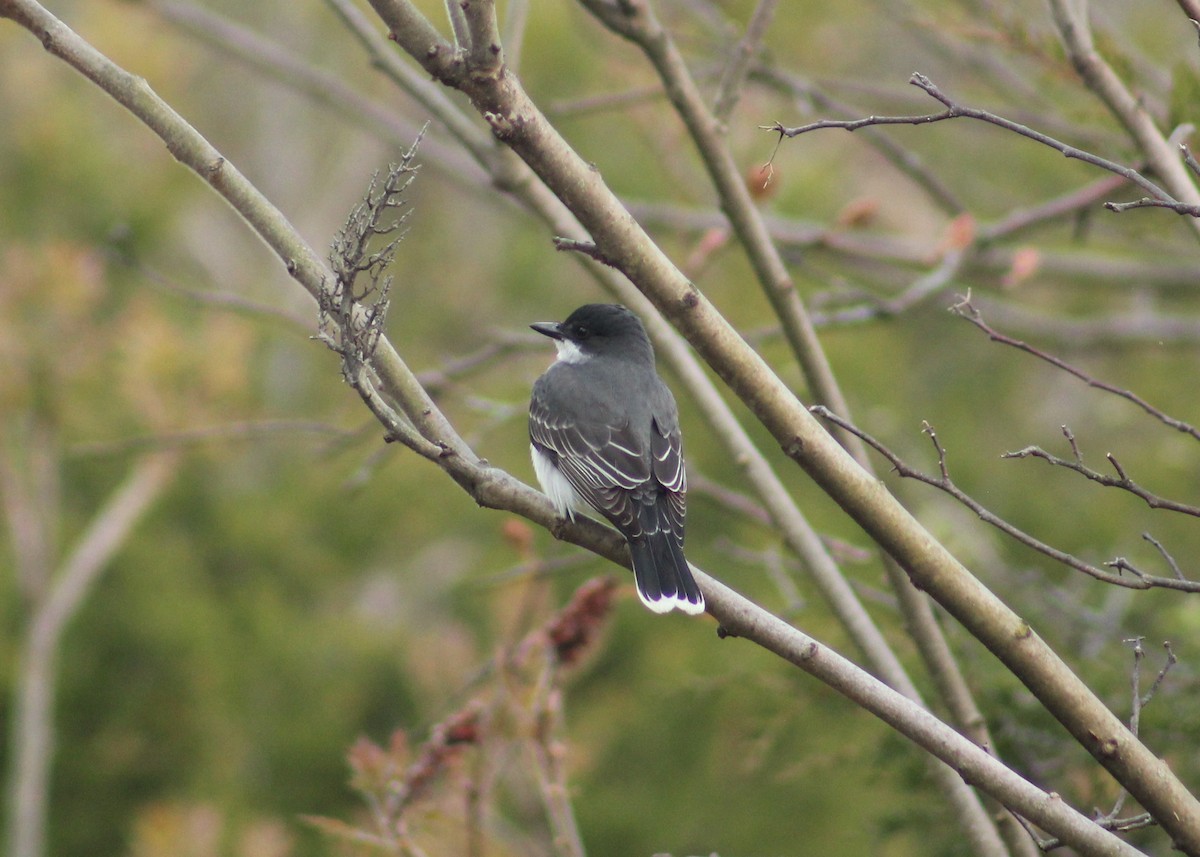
(517, 121)
(964, 309)
(956, 111)
(733, 78)
(1121, 480)
(1075, 32)
(32, 732)
(943, 482)
(638, 23)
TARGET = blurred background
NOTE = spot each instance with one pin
(291, 585)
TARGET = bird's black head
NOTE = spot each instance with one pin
(598, 329)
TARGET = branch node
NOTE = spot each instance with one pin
(587, 248)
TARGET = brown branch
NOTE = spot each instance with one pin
(1188, 158)
(906, 161)
(943, 482)
(492, 488)
(637, 22)
(486, 56)
(1121, 480)
(1146, 202)
(1074, 29)
(956, 111)
(966, 310)
(518, 123)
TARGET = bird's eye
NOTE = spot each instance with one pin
(582, 332)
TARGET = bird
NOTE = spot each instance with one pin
(604, 434)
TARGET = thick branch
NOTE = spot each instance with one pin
(517, 121)
(943, 482)
(1163, 158)
(637, 22)
(520, 124)
(739, 617)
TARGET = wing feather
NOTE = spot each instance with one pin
(614, 472)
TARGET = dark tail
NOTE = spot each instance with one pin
(664, 581)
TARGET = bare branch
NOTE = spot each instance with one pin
(638, 23)
(33, 709)
(955, 111)
(965, 309)
(903, 159)
(1146, 202)
(1074, 29)
(518, 123)
(798, 533)
(1166, 555)
(741, 57)
(1141, 700)
(513, 119)
(943, 482)
(587, 248)
(1121, 480)
(1188, 158)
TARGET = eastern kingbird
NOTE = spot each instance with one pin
(604, 433)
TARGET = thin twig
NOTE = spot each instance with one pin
(915, 293)
(907, 161)
(966, 310)
(1188, 158)
(943, 482)
(1121, 480)
(1146, 202)
(955, 111)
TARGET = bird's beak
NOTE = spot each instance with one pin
(548, 328)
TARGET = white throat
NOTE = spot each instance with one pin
(570, 352)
